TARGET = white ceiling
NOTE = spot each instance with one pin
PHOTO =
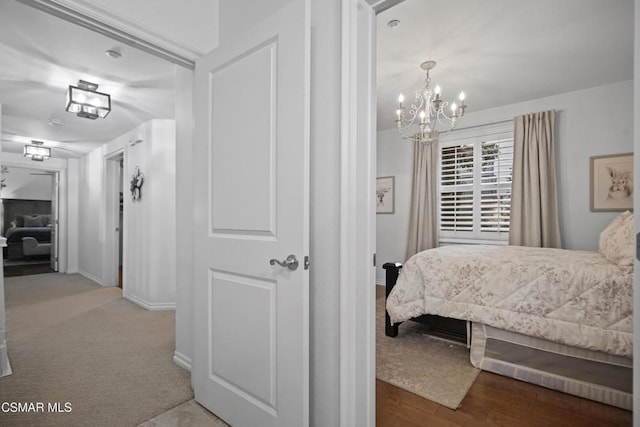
(502, 52)
(40, 55)
(498, 51)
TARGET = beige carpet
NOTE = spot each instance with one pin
(103, 358)
(429, 367)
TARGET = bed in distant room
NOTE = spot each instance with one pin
(25, 218)
(553, 317)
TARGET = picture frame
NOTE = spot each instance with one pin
(385, 195)
(611, 179)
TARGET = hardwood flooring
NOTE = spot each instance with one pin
(494, 400)
(26, 269)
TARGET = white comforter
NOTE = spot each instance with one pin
(576, 298)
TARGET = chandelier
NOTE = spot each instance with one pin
(428, 110)
(37, 152)
(87, 102)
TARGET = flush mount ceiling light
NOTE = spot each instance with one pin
(427, 111)
(87, 102)
(37, 152)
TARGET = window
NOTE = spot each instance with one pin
(475, 185)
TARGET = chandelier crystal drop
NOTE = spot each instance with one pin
(428, 111)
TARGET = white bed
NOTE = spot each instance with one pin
(554, 317)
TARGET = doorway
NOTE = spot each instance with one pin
(29, 208)
(114, 218)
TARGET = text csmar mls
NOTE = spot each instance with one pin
(35, 407)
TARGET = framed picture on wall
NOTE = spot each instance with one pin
(612, 182)
(385, 203)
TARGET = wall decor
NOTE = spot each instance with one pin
(385, 195)
(612, 182)
(136, 184)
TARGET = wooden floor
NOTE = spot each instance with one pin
(26, 269)
(494, 400)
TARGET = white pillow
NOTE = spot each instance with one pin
(616, 241)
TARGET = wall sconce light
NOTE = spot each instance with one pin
(37, 152)
(87, 102)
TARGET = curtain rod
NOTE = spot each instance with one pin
(495, 122)
(498, 122)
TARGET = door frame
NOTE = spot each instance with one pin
(357, 219)
(111, 254)
(62, 234)
(54, 260)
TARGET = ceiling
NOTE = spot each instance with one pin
(502, 52)
(41, 55)
(498, 51)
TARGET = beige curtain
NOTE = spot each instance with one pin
(423, 223)
(534, 199)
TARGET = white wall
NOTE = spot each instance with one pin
(394, 158)
(149, 224)
(324, 275)
(69, 214)
(21, 183)
(184, 200)
(149, 272)
(91, 216)
(581, 132)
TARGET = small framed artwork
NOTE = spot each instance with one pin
(385, 197)
(612, 182)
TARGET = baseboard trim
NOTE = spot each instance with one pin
(151, 306)
(91, 277)
(182, 360)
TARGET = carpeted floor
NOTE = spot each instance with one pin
(103, 360)
(429, 367)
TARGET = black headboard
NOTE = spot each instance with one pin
(13, 207)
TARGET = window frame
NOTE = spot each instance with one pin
(475, 136)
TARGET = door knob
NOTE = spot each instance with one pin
(291, 262)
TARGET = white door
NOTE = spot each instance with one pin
(251, 163)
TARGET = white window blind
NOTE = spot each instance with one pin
(475, 185)
(495, 185)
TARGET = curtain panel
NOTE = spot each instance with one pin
(534, 199)
(423, 217)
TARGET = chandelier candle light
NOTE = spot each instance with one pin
(427, 111)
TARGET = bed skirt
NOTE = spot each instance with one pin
(584, 373)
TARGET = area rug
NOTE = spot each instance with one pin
(435, 369)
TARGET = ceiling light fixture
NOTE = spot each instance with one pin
(37, 152)
(87, 102)
(427, 111)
